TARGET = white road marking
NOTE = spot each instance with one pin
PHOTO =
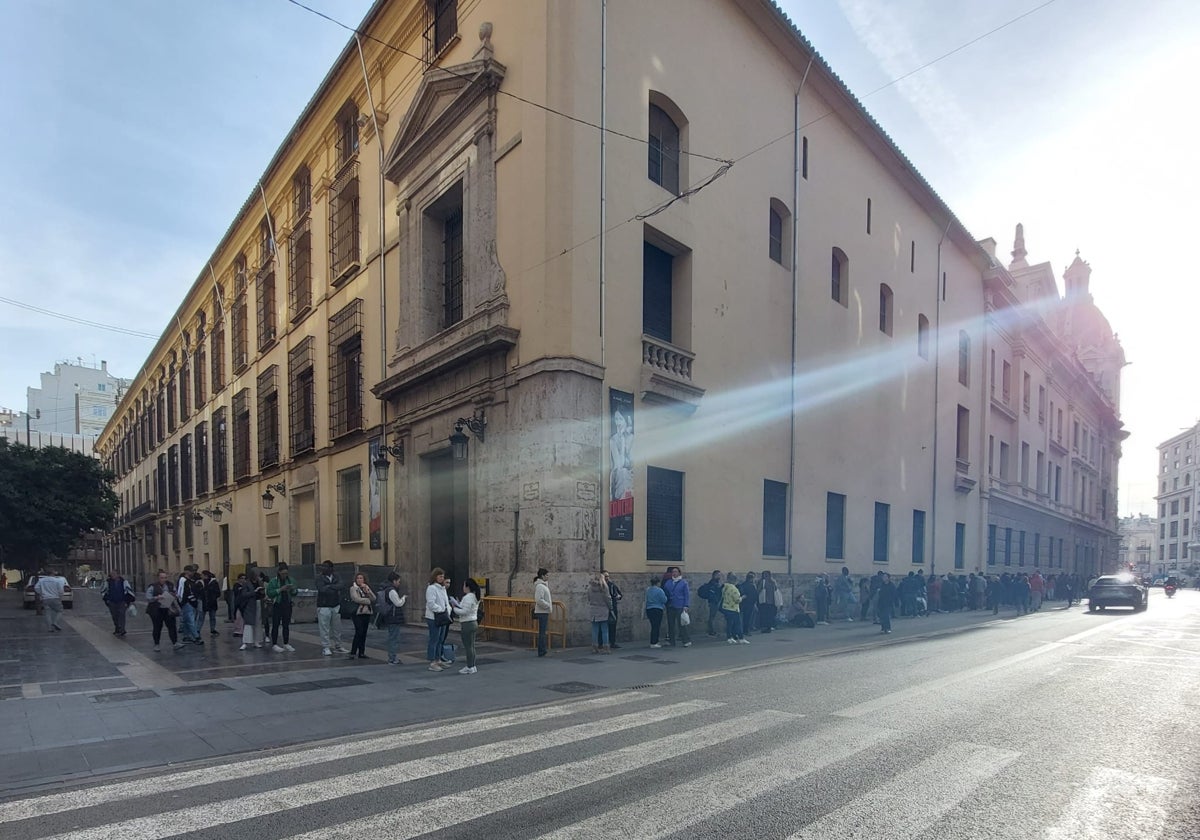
(358, 745)
(702, 798)
(1115, 805)
(414, 820)
(217, 812)
(1162, 647)
(901, 808)
(906, 695)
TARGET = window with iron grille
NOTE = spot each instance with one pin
(349, 490)
(664, 515)
(201, 458)
(266, 242)
(343, 224)
(441, 26)
(240, 339)
(346, 127)
(185, 468)
(199, 362)
(302, 397)
(173, 475)
(960, 545)
(301, 194)
(218, 357)
(220, 449)
(265, 297)
(300, 269)
(345, 370)
(185, 382)
(241, 434)
(161, 410)
(774, 543)
(452, 269)
(171, 402)
(160, 482)
(268, 417)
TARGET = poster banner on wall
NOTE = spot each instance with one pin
(620, 453)
(376, 525)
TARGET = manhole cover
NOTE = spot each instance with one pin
(420, 689)
(201, 689)
(667, 662)
(340, 682)
(637, 657)
(574, 687)
(120, 696)
(583, 661)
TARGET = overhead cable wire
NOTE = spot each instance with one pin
(76, 320)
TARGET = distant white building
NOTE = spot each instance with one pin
(15, 428)
(74, 399)
(1177, 513)
(1139, 535)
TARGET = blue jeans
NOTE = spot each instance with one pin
(437, 638)
(733, 623)
(543, 621)
(187, 620)
(393, 643)
(600, 632)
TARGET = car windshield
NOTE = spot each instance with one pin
(1114, 580)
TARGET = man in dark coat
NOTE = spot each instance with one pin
(885, 603)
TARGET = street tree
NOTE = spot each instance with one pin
(48, 498)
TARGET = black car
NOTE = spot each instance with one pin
(1118, 591)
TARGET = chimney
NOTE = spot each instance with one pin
(104, 365)
(988, 245)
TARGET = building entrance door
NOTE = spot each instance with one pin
(448, 513)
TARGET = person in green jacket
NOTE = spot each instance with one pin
(282, 592)
(731, 600)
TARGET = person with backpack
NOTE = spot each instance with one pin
(364, 601)
(248, 597)
(389, 613)
(468, 613)
(437, 619)
(163, 606)
(710, 592)
(282, 592)
(656, 603)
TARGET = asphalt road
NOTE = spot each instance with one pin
(1062, 725)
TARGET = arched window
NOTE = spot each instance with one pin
(839, 277)
(964, 358)
(664, 149)
(779, 240)
(885, 308)
(922, 336)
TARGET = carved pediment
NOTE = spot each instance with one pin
(447, 98)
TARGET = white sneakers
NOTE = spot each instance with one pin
(289, 648)
(468, 670)
(433, 666)
(326, 652)
(656, 646)
(731, 641)
(243, 647)
(277, 648)
(743, 641)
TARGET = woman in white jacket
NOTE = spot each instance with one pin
(467, 612)
(437, 618)
(542, 606)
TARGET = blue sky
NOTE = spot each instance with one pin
(137, 128)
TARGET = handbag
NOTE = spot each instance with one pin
(131, 611)
(441, 619)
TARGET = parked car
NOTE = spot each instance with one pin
(29, 598)
(1118, 591)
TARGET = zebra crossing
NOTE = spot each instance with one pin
(595, 768)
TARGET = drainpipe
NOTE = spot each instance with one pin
(603, 295)
(795, 296)
(937, 360)
(383, 506)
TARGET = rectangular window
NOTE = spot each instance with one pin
(774, 541)
(265, 288)
(1174, 527)
(1037, 548)
(804, 158)
(1021, 548)
(268, 417)
(1006, 382)
(442, 26)
(160, 482)
(1058, 484)
(171, 402)
(835, 526)
(349, 498)
(1041, 470)
(868, 217)
(991, 546)
(1003, 461)
(452, 269)
(343, 225)
(199, 375)
(1041, 403)
(657, 305)
(1026, 392)
(991, 453)
(241, 434)
(775, 236)
(1024, 464)
(1174, 507)
(962, 444)
(302, 397)
(201, 458)
(964, 358)
(912, 258)
(960, 545)
(918, 536)
(300, 269)
(173, 476)
(882, 516)
(345, 363)
(217, 340)
(1008, 546)
(185, 380)
(664, 515)
(220, 449)
(185, 467)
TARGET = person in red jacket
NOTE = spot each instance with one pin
(1037, 585)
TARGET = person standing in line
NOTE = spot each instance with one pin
(934, 590)
(364, 600)
(615, 596)
(248, 603)
(770, 600)
(885, 602)
(749, 603)
(282, 592)
(329, 603)
(50, 587)
(599, 603)
(711, 593)
(118, 595)
(821, 599)
(656, 603)
(1036, 586)
(732, 601)
(227, 596)
(843, 592)
(864, 596)
(211, 602)
(194, 594)
(543, 605)
(183, 589)
(162, 606)
(437, 618)
(467, 612)
(678, 600)
(1068, 591)
(393, 618)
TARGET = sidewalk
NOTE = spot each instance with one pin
(84, 703)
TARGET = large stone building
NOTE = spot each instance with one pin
(454, 327)
(1177, 512)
